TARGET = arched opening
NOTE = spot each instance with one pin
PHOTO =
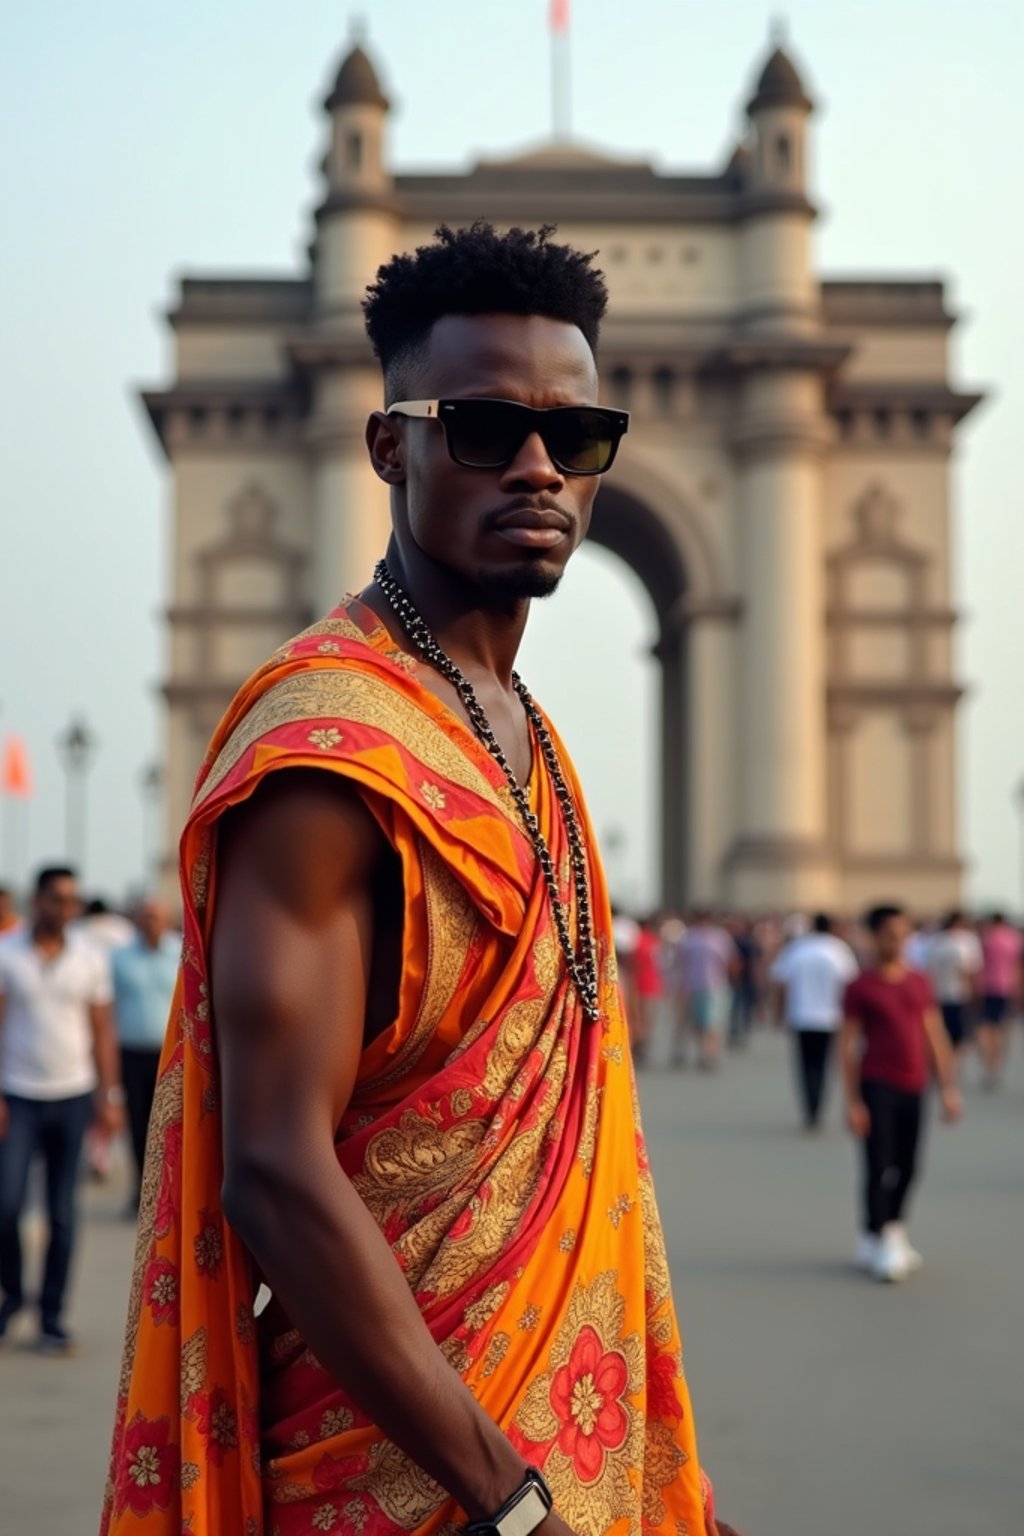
(608, 658)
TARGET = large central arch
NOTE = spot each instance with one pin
(626, 525)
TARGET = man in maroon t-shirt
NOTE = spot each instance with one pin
(892, 1033)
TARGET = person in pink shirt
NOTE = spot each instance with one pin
(1001, 947)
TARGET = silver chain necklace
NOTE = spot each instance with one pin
(581, 960)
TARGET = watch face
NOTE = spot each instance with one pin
(529, 1511)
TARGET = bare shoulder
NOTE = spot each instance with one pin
(303, 840)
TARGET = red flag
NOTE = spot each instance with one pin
(15, 778)
(559, 20)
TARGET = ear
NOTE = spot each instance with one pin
(386, 447)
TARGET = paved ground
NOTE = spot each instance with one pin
(827, 1405)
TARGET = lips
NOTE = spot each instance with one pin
(533, 527)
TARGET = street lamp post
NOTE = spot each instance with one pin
(76, 747)
(1018, 795)
(151, 785)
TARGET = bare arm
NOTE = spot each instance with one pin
(3, 1102)
(945, 1065)
(292, 946)
(109, 1115)
(850, 1047)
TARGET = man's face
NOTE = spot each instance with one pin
(891, 938)
(57, 904)
(465, 519)
(151, 921)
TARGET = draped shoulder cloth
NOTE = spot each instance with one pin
(493, 1134)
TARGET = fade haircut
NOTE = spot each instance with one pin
(51, 872)
(477, 271)
(877, 918)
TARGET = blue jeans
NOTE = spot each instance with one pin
(55, 1128)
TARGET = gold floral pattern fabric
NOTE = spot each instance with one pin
(492, 1135)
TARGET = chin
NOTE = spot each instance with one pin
(514, 583)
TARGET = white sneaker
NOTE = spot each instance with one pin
(866, 1250)
(890, 1260)
(911, 1257)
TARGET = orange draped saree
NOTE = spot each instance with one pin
(493, 1134)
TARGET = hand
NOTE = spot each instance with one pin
(952, 1104)
(109, 1120)
(858, 1118)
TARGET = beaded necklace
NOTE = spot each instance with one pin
(581, 959)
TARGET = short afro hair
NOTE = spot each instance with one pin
(477, 271)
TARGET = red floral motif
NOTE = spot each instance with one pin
(216, 1421)
(168, 1200)
(585, 1395)
(160, 1288)
(148, 1466)
(208, 1247)
(662, 1397)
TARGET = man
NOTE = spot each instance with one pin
(10, 922)
(746, 992)
(953, 961)
(891, 1033)
(397, 1064)
(812, 973)
(144, 973)
(1001, 983)
(58, 1073)
(710, 965)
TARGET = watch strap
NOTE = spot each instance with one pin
(522, 1512)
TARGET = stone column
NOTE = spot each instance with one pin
(781, 857)
(351, 521)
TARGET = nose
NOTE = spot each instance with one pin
(532, 468)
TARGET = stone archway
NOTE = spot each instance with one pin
(628, 527)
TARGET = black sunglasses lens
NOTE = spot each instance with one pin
(487, 434)
(581, 441)
(484, 434)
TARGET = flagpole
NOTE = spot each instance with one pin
(561, 75)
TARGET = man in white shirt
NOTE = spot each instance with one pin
(954, 961)
(58, 1072)
(814, 971)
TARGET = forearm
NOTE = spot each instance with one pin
(849, 1061)
(941, 1051)
(104, 1050)
(329, 1264)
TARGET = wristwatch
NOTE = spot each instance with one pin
(520, 1514)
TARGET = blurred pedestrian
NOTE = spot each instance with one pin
(953, 961)
(58, 1072)
(1001, 989)
(891, 1030)
(144, 975)
(647, 986)
(747, 990)
(10, 922)
(813, 973)
(710, 965)
(104, 927)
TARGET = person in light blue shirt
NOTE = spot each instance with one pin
(144, 972)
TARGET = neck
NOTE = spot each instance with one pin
(46, 936)
(480, 636)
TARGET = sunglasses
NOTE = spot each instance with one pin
(487, 434)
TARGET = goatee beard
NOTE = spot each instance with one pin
(505, 589)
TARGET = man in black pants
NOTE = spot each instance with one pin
(813, 972)
(890, 1031)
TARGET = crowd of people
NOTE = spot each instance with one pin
(902, 1004)
(84, 999)
(85, 993)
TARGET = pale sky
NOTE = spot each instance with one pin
(143, 141)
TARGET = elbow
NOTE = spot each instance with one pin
(251, 1199)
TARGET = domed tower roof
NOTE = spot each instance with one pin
(357, 84)
(779, 86)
